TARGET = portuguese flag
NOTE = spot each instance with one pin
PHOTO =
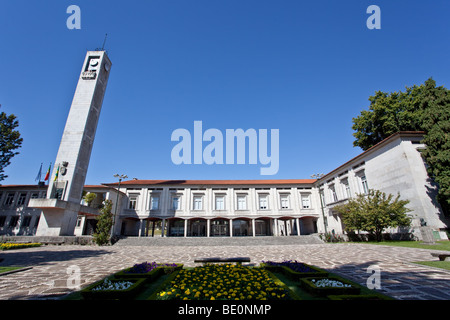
(47, 175)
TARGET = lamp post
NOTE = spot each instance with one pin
(319, 176)
(120, 176)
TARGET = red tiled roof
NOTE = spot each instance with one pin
(214, 182)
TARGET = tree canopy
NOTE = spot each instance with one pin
(374, 212)
(102, 234)
(10, 141)
(419, 108)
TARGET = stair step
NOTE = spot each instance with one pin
(218, 241)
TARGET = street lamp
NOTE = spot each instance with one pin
(319, 176)
(120, 176)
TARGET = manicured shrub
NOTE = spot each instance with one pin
(12, 246)
(294, 269)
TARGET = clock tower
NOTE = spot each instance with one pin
(62, 206)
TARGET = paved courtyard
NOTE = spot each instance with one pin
(50, 275)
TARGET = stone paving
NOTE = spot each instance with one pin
(50, 276)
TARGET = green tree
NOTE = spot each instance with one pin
(10, 140)
(102, 233)
(436, 124)
(419, 108)
(89, 197)
(374, 212)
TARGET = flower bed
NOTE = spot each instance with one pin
(294, 269)
(11, 246)
(224, 282)
(111, 288)
(329, 286)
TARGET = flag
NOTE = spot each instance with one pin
(57, 174)
(47, 175)
(38, 177)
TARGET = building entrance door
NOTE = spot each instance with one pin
(197, 228)
(220, 228)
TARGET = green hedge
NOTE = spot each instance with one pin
(12, 246)
(296, 276)
(169, 279)
(149, 276)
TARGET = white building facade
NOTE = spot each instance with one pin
(230, 208)
(218, 208)
(393, 166)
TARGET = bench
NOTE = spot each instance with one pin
(442, 256)
(238, 260)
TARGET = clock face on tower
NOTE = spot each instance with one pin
(91, 68)
(92, 64)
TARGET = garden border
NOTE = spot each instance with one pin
(126, 294)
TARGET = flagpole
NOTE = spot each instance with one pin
(47, 175)
(39, 175)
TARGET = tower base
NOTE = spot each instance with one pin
(58, 217)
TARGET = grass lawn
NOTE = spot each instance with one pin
(7, 269)
(440, 245)
(437, 264)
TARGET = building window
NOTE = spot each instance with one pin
(2, 221)
(284, 200)
(346, 188)
(13, 222)
(26, 222)
(242, 202)
(220, 202)
(9, 199)
(334, 197)
(34, 195)
(263, 202)
(364, 184)
(198, 203)
(176, 203)
(21, 200)
(154, 202)
(306, 201)
(58, 193)
(133, 202)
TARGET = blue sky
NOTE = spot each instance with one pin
(303, 67)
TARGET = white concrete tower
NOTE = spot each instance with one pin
(61, 208)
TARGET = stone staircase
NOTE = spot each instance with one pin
(219, 241)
